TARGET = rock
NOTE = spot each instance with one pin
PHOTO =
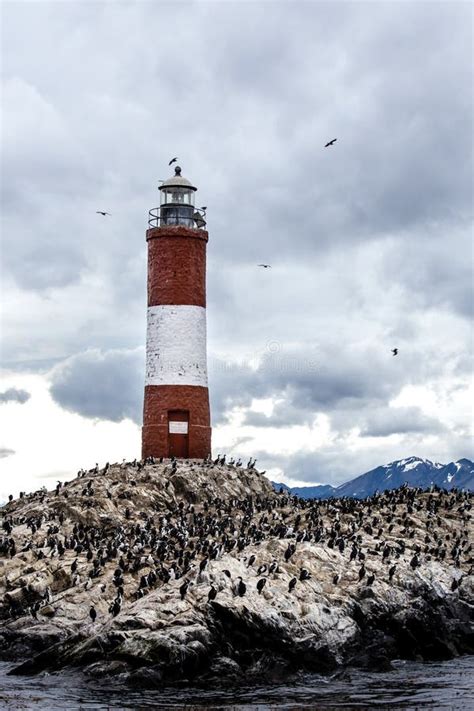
(127, 548)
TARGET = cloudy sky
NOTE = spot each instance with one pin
(369, 240)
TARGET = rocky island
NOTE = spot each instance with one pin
(176, 571)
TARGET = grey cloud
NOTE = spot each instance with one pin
(233, 383)
(326, 467)
(5, 452)
(46, 267)
(237, 443)
(15, 395)
(284, 414)
(394, 137)
(384, 422)
(236, 383)
(352, 388)
(110, 385)
(371, 419)
(368, 239)
(338, 377)
(101, 385)
(436, 268)
(35, 365)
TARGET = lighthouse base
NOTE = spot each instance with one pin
(176, 422)
(158, 442)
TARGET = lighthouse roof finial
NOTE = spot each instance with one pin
(177, 181)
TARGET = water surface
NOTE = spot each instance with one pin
(444, 685)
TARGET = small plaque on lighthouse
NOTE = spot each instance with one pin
(178, 428)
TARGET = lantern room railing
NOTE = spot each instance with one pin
(177, 215)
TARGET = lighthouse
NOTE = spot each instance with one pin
(176, 414)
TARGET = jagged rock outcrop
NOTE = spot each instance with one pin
(198, 570)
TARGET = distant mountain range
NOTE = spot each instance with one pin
(412, 471)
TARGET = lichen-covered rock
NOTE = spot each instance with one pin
(168, 571)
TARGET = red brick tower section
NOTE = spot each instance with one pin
(176, 415)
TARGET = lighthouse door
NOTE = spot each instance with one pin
(178, 433)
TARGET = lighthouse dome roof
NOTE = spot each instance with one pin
(177, 181)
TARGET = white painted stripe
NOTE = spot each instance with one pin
(176, 346)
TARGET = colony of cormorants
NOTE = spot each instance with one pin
(204, 531)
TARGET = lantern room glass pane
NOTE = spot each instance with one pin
(176, 196)
(177, 215)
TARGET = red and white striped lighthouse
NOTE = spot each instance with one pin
(176, 415)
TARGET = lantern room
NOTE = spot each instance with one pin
(177, 205)
(177, 201)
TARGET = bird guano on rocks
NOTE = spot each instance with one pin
(148, 543)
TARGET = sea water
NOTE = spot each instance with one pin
(409, 685)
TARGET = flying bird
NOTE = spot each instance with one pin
(173, 160)
(395, 351)
(101, 212)
(265, 266)
(330, 143)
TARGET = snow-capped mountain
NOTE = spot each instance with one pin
(412, 471)
(458, 474)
